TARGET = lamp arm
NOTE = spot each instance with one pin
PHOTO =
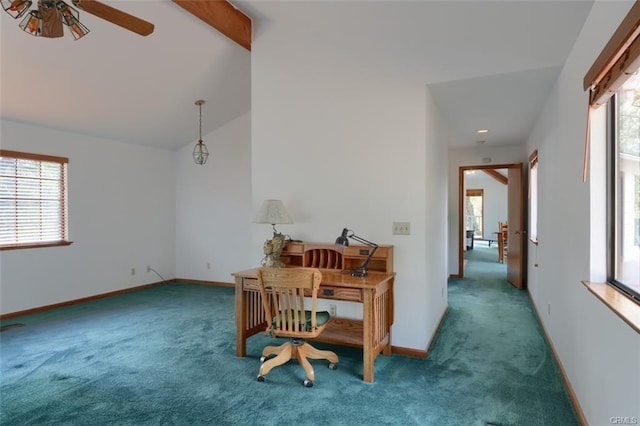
(368, 259)
(363, 241)
(374, 246)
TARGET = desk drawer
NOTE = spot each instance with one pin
(340, 293)
(293, 248)
(326, 292)
(250, 284)
(363, 251)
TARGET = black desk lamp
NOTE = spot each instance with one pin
(343, 240)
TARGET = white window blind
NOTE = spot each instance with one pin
(33, 200)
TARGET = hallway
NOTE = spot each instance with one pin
(494, 339)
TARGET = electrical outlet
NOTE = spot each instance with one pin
(133, 271)
(333, 310)
(148, 268)
(401, 228)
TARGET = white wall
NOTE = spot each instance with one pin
(599, 352)
(495, 200)
(213, 205)
(459, 157)
(346, 146)
(121, 216)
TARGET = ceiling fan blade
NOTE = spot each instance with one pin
(115, 16)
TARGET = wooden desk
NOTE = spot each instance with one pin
(372, 333)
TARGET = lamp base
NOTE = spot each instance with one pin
(359, 273)
(272, 249)
(272, 262)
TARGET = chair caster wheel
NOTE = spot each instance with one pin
(333, 365)
(307, 383)
(261, 378)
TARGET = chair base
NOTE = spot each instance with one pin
(295, 349)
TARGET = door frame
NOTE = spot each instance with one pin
(461, 196)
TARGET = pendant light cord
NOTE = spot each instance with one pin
(199, 103)
(200, 128)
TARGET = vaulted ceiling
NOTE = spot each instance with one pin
(489, 64)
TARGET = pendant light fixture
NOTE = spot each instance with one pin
(200, 152)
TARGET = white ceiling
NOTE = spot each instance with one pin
(488, 64)
(119, 85)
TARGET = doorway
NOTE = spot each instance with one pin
(513, 180)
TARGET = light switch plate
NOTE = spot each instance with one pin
(401, 228)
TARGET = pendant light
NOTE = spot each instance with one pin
(200, 152)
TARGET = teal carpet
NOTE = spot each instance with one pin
(166, 356)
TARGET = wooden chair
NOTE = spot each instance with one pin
(283, 298)
(503, 233)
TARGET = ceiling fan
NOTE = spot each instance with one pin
(50, 16)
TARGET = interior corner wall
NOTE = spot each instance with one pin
(599, 352)
(121, 216)
(344, 145)
(213, 205)
(460, 157)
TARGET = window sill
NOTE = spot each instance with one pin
(623, 306)
(36, 245)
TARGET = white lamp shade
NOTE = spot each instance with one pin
(273, 212)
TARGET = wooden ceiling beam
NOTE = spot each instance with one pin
(222, 16)
(497, 176)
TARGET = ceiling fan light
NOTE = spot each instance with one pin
(67, 13)
(78, 30)
(16, 8)
(32, 23)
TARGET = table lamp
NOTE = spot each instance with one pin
(343, 240)
(273, 212)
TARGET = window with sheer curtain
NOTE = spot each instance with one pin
(33, 200)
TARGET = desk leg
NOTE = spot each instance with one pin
(368, 338)
(388, 323)
(241, 325)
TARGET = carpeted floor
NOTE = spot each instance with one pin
(166, 356)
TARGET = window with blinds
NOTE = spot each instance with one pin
(33, 200)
